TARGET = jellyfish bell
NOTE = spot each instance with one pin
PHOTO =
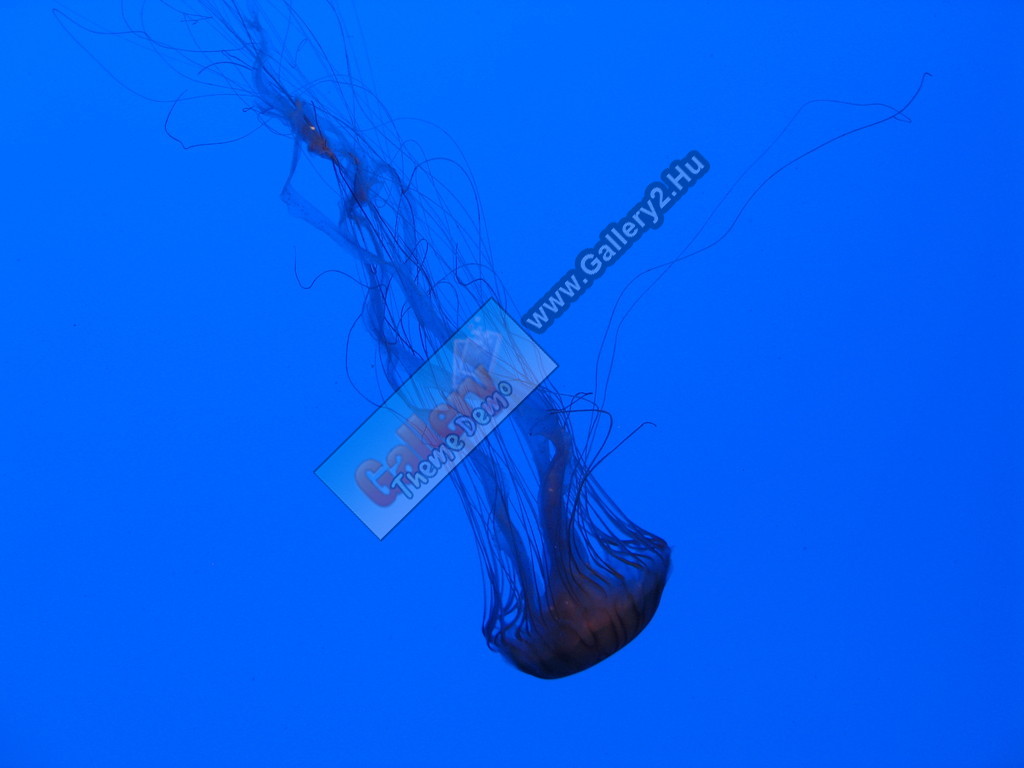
(585, 622)
(594, 579)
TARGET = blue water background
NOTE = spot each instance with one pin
(836, 390)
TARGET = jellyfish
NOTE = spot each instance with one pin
(569, 579)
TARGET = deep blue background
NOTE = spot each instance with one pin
(836, 387)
